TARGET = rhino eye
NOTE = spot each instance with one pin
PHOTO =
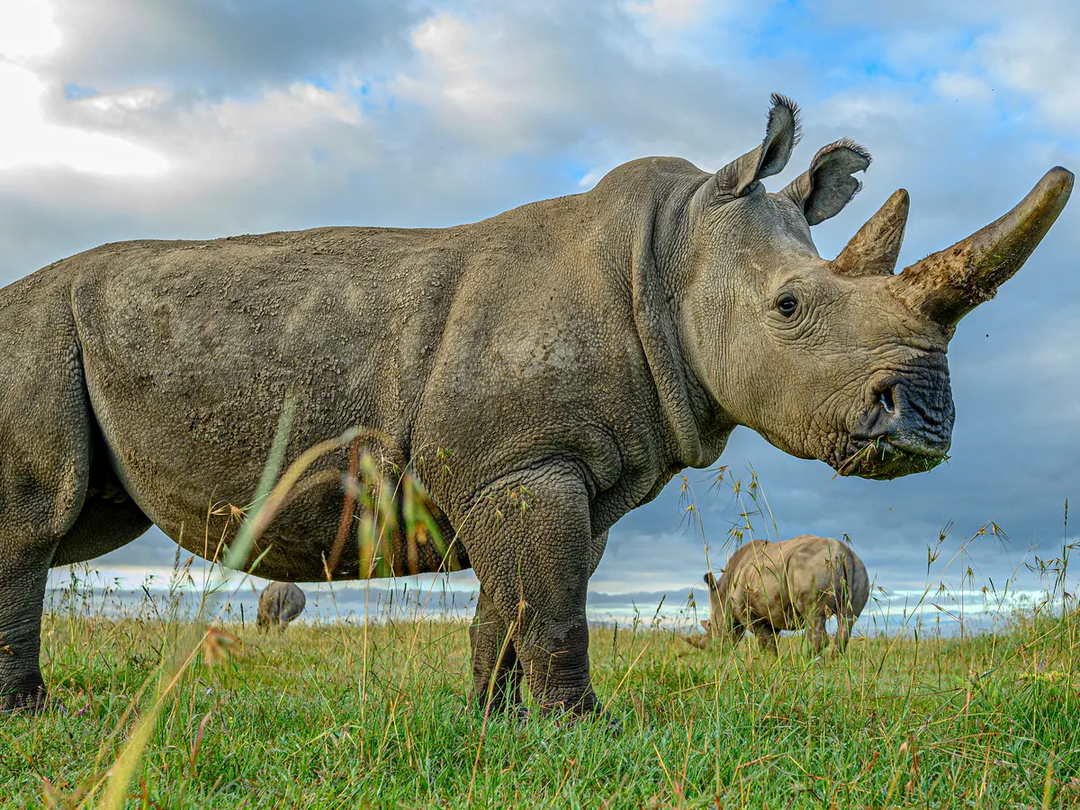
(787, 304)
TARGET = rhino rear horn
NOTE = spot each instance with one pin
(741, 176)
(873, 251)
(947, 285)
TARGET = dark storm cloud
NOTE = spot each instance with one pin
(221, 47)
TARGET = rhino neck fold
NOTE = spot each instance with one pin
(696, 434)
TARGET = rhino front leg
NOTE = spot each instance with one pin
(35, 514)
(496, 669)
(530, 541)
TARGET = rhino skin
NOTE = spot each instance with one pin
(789, 585)
(541, 373)
(279, 604)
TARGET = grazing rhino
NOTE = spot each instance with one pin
(789, 585)
(279, 604)
(541, 373)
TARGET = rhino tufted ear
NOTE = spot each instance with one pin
(741, 176)
(827, 186)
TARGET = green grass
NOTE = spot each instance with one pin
(343, 716)
(164, 713)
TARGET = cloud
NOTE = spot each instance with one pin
(30, 138)
(216, 49)
(30, 31)
(1038, 57)
(671, 14)
(963, 87)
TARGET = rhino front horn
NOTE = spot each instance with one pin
(947, 285)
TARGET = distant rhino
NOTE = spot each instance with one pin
(279, 604)
(791, 585)
(539, 373)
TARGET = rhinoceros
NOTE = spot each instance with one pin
(540, 373)
(279, 604)
(790, 585)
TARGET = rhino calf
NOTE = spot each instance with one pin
(279, 604)
(790, 585)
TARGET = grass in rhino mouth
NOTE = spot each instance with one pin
(882, 454)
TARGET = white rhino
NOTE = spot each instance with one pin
(790, 585)
(540, 373)
(279, 604)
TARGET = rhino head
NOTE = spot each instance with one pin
(839, 360)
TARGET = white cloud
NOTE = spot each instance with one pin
(482, 81)
(955, 86)
(28, 137)
(31, 136)
(1039, 57)
(670, 14)
(590, 179)
(461, 71)
(27, 29)
(130, 99)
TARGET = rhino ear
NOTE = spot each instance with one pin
(827, 186)
(741, 176)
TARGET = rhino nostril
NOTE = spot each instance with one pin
(885, 400)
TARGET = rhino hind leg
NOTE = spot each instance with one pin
(496, 669)
(100, 527)
(24, 575)
(44, 467)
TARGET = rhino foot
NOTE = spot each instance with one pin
(512, 711)
(32, 699)
(603, 717)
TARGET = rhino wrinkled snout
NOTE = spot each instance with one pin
(906, 428)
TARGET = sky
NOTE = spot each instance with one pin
(202, 119)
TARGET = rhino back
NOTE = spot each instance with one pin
(824, 567)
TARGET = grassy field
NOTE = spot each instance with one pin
(334, 715)
(160, 712)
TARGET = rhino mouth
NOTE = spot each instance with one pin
(884, 458)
